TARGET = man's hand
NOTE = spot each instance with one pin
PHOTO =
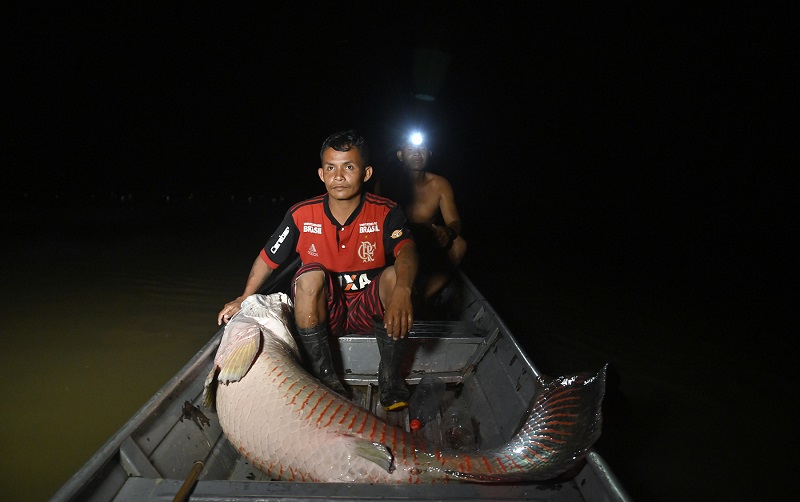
(399, 314)
(229, 310)
(444, 235)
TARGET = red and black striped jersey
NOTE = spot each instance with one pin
(355, 252)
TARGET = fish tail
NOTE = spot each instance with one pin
(563, 424)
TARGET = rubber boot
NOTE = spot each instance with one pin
(318, 350)
(391, 384)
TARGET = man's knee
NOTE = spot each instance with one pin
(311, 283)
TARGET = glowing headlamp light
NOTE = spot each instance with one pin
(415, 138)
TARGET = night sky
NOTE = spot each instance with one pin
(572, 102)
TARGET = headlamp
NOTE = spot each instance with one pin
(415, 138)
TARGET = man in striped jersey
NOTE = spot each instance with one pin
(359, 264)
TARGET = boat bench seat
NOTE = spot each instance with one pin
(462, 339)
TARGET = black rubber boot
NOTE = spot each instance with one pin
(318, 351)
(392, 385)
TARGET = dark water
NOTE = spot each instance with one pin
(104, 300)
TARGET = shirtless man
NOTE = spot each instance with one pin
(432, 216)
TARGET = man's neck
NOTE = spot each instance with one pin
(342, 209)
(417, 176)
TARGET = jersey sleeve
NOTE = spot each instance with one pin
(396, 233)
(282, 244)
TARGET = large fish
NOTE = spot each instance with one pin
(292, 427)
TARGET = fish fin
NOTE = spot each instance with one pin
(237, 358)
(563, 424)
(375, 452)
(210, 388)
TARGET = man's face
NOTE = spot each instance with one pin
(343, 173)
(414, 158)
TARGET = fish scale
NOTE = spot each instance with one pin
(291, 426)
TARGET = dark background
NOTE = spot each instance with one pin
(618, 169)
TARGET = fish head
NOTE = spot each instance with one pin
(275, 314)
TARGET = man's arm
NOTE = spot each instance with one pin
(259, 273)
(399, 314)
(452, 220)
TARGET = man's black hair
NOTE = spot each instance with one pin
(344, 141)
